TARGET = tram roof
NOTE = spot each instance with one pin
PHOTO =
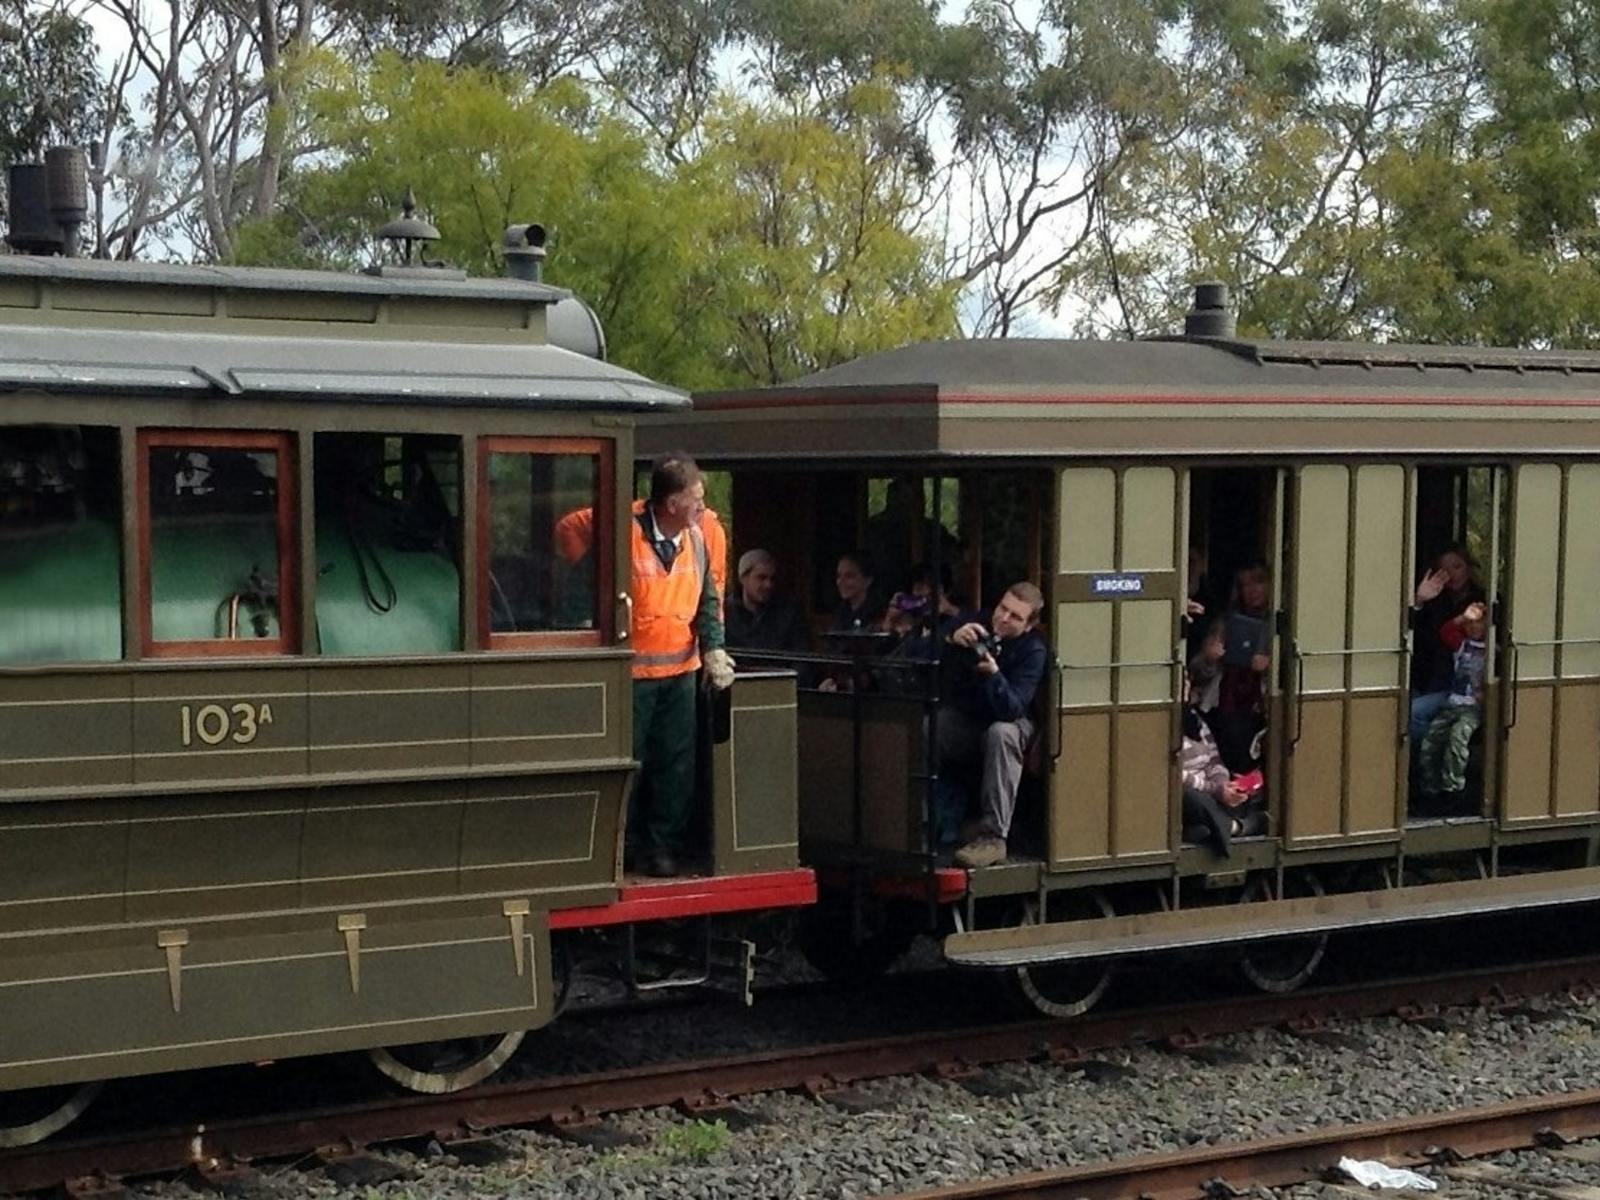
(424, 372)
(1027, 397)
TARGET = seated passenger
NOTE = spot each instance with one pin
(1230, 673)
(756, 621)
(923, 630)
(989, 720)
(860, 607)
(1442, 595)
(1218, 806)
(1447, 744)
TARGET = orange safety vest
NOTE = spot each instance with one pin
(665, 604)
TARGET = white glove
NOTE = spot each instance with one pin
(719, 669)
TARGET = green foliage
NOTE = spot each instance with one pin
(696, 1141)
(49, 83)
(784, 246)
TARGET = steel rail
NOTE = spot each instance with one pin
(1231, 1168)
(708, 1083)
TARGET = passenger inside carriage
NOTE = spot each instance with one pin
(1446, 591)
(1218, 805)
(757, 618)
(1229, 673)
(1447, 744)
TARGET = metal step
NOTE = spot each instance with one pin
(1144, 933)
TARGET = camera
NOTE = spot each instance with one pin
(911, 606)
(988, 644)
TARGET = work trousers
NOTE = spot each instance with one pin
(1447, 746)
(664, 743)
(997, 749)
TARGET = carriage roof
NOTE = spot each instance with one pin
(417, 337)
(1046, 397)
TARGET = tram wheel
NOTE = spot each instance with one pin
(436, 1068)
(1283, 964)
(1067, 989)
(33, 1114)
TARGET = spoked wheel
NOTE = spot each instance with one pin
(1283, 964)
(34, 1114)
(1067, 989)
(446, 1066)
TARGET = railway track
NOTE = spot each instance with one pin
(1445, 1139)
(702, 1087)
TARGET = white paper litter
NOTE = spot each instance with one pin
(1376, 1174)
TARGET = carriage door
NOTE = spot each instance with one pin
(1343, 667)
(1550, 647)
(1116, 596)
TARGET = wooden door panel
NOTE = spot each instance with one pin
(1373, 763)
(1578, 739)
(1527, 759)
(1316, 769)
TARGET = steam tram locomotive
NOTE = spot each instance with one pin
(308, 736)
(310, 739)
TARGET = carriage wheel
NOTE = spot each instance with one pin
(1067, 989)
(446, 1066)
(34, 1114)
(1283, 964)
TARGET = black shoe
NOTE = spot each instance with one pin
(659, 865)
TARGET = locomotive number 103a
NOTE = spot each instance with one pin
(213, 724)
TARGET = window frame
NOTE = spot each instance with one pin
(281, 444)
(602, 449)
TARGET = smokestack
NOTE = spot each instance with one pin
(66, 171)
(30, 229)
(524, 250)
(1210, 317)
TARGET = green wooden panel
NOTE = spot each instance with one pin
(1580, 584)
(1322, 533)
(1145, 636)
(1088, 519)
(245, 993)
(1149, 495)
(1380, 556)
(1536, 517)
(1083, 647)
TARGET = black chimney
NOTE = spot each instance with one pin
(1210, 317)
(31, 229)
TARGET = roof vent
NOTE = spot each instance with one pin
(524, 250)
(1210, 316)
(407, 232)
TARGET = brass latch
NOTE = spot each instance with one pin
(516, 912)
(351, 925)
(173, 941)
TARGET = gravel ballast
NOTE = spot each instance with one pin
(912, 1132)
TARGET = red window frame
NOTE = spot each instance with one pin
(604, 544)
(288, 639)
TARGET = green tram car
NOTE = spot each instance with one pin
(1105, 472)
(308, 736)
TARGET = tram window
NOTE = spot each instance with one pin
(60, 545)
(388, 544)
(218, 526)
(545, 538)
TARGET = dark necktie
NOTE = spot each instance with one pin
(666, 551)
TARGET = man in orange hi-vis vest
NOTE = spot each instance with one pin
(676, 621)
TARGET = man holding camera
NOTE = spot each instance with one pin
(988, 722)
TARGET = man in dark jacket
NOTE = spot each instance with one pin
(989, 720)
(756, 621)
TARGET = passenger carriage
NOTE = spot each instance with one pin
(1092, 468)
(308, 737)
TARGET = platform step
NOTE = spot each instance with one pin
(1144, 933)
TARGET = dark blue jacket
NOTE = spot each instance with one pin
(1008, 694)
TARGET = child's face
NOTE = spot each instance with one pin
(1474, 629)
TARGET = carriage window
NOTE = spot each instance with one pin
(218, 519)
(60, 545)
(388, 544)
(545, 530)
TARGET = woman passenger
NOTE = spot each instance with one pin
(1442, 595)
(860, 607)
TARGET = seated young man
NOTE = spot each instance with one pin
(988, 721)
